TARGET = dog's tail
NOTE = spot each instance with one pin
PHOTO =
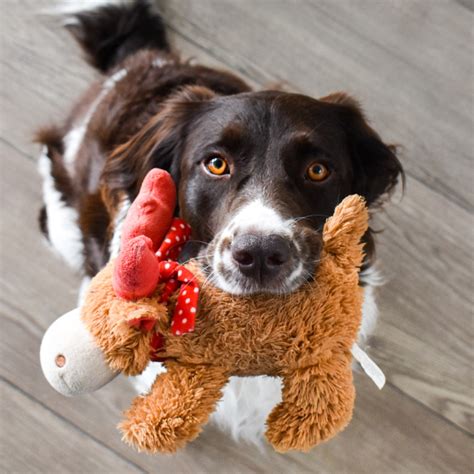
(114, 30)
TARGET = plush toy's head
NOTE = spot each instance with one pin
(305, 337)
(71, 360)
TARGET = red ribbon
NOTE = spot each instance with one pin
(176, 276)
(184, 315)
(178, 234)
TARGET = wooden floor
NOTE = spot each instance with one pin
(411, 65)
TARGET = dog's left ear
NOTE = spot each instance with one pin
(377, 169)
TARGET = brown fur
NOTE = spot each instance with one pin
(304, 337)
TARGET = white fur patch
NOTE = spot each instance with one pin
(62, 220)
(118, 225)
(72, 142)
(371, 278)
(245, 406)
(86, 281)
(259, 217)
(143, 382)
(69, 7)
(75, 137)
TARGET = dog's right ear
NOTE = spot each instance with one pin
(377, 168)
(157, 145)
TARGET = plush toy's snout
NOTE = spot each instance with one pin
(70, 358)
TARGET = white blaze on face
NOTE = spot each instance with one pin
(259, 218)
(255, 217)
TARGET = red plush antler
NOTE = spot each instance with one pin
(147, 222)
(151, 240)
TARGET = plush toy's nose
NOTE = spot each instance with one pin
(260, 257)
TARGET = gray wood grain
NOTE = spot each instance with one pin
(26, 442)
(410, 64)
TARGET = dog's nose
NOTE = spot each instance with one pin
(258, 257)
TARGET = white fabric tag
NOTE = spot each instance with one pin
(369, 366)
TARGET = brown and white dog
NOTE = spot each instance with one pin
(257, 172)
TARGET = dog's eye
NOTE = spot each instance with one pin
(217, 166)
(317, 172)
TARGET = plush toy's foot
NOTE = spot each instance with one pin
(152, 211)
(288, 430)
(317, 404)
(136, 269)
(173, 413)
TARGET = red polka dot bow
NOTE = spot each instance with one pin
(177, 236)
(176, 276)
(186, 304)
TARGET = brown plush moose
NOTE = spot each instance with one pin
(305, 337)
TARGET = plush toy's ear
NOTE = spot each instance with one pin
(343, 231)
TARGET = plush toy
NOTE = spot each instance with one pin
(145, 306)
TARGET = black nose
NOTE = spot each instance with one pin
(260, 258)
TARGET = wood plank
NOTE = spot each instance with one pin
(42, 72)
(424, 339)
(34, 439)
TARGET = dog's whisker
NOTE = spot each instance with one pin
(197, 241)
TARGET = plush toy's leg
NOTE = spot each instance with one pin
(317, 403)
(179, 403)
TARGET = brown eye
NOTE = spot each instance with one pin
(217, 166)
(317, 172)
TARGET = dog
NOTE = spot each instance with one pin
(257, 173)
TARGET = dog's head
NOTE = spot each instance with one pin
(258, 174)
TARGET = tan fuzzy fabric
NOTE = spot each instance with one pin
(304, 337)
(107, 317)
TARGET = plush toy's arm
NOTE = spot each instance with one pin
(179, 403)
(317, 403)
